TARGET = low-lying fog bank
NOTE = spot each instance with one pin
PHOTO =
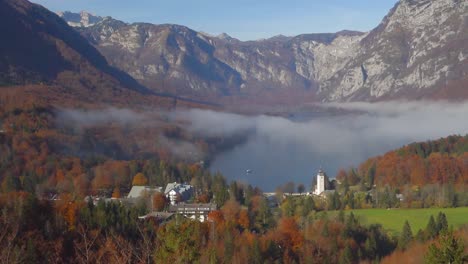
(277, 149)
(280, 150)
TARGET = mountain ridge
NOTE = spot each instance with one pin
(402, 58)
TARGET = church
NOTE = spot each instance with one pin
(322, 183)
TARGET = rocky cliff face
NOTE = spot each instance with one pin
(419, 48)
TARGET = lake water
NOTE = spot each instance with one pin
(280, 150)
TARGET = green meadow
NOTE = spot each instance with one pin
(393, 219)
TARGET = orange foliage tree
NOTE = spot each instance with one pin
(139, 180)
(159, 201)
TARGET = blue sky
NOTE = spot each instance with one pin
(243, 19)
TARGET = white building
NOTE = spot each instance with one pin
(322, 183)
(177, 192)
(197, 212)
(139, 191)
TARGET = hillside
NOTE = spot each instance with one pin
(60, 100)
(443, 161)
(419, 50)
(45, 61)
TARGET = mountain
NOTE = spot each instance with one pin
(173, 58)
(419, 50)
(83, 19)
(42, 49)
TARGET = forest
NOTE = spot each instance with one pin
(40, 159)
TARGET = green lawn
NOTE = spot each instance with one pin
(393, 219)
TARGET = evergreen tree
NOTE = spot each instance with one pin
(448, 249)
(347, 256)
(335, 202)
(441, 224)
(370, 246)
(406, 236)
(421, 236)
(431, 228)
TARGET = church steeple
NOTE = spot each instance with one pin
(321, 182)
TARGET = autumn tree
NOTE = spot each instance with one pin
(139, 180)
(159, 201)
(244, 220)
(116, 193)
(180, 242)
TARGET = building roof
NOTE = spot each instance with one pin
(158, 215)
(138, 191)
(178, 187)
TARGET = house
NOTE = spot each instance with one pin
(177, 192)
(139, 191)
(193, 211)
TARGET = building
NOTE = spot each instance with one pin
(139, 191)
(177, 192)
(159, 217)
(322, 183)
(297, 194)
(193, 211)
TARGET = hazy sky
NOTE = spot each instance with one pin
(243, 19)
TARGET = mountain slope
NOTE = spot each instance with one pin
(192, 63)
(42, 49)
(419, 50)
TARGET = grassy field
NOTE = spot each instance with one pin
(393, 219)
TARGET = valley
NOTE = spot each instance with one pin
(156, 143)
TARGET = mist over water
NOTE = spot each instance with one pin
(279, 150)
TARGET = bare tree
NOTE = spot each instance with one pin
(8, 235)
(115, 250)
(145, 246)
(84, 247)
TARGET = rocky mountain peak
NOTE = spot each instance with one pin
(226, 37)
(419, 49)
(82, 19)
